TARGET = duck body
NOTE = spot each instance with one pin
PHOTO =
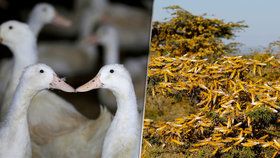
(79, 143)
(58, 130)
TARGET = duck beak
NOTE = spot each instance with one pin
(59, 83)
(61, 21)
(92, 39)
(92, 84)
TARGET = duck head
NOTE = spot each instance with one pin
(13, 33)
(46, 14)
(114, 77)
(41, 76)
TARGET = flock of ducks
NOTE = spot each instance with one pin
(35, 122)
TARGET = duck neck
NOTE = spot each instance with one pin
(112, 51)
(87, 22)
(23, 57)
(127, 106)
(90, 16)
(17, 113)
(35, 25)
(15, 129)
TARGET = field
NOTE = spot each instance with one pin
(203, 100)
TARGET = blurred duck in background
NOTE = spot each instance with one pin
(130, 22)
(69, 58)
(87, 13)
(91, 15)
(107, 36)
(52, 120)
(76, 58)
(133, 25)
(40, 15)
(65, 57)
(44, 13)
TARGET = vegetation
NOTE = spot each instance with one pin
(229, 104)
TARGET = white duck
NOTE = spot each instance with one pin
(52, 120)
(14, 133)
(108, 36)
(123, 136)
(44, 13)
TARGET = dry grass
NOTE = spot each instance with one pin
(164, 108)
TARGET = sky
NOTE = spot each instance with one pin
(262, 16)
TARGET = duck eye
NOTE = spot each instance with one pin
(111, 71)
(41, 71)
(10, 27)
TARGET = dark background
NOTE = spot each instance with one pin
(14, 8)
(19, 10)
(86, 103)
